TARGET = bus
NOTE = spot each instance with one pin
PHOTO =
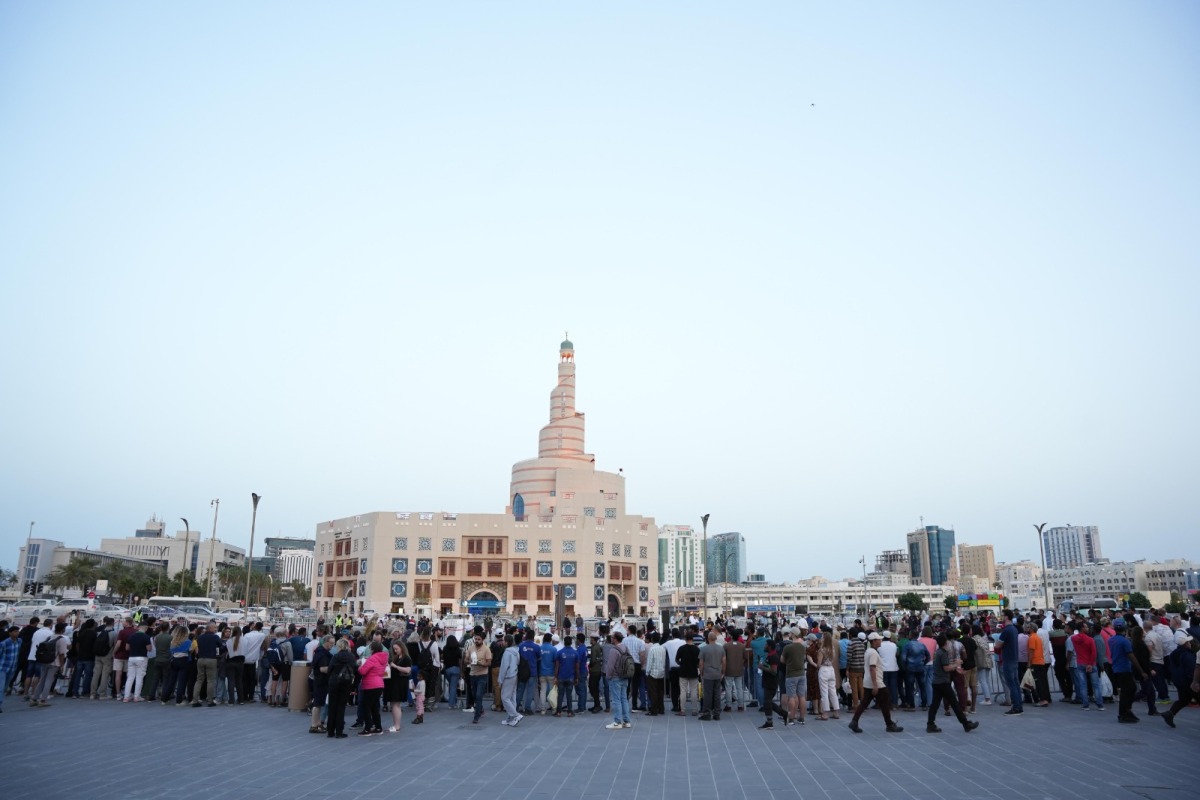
(176, 602)
(1082, 605)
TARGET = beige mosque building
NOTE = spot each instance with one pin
(564, 530)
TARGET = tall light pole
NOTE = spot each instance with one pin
(162, 556)
(863, 561)
(187, 554)
(1045, 575)
(704, 526)
(26, 577)
(250, 555)
(212, 543)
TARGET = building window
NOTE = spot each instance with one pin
(322, 549)
(616, 551)
(495, 569)
(425, 543)
(356, 545)
(362, 565)
(401, 543)
(610, 513)
(399, 589)
(366, 543)
(474, 569)
(545, 569)
(545, 592)
(448, 545)
(495, 547)
(474, 547)
(599, 548)
(520, 569)
(520, 592)
(446, 591)
(518, 508)
(318, 590)
(321, 570)
(589, 511)
(598, 571)
(642, 552)
(566, 569)
(447, 568)
(569, 546)
(522, 546)
(543, 545)
(629, 551)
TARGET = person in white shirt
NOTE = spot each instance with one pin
(891, 666)
(252, 644)
(33, 670)
(672, 646)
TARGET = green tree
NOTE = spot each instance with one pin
(302, 592)
(1176, 606)
(7, 578)
(1138, 600)
(911, 601)
(951, 602)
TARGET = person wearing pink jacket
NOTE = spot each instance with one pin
(372, 670)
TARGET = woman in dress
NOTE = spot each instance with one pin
(825, 659)
(395, 682)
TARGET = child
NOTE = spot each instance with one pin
(418, 688)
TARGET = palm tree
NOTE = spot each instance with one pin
(78, 573)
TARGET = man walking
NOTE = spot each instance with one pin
(795, 664)
(874, 688)
(618, 683)
(735, 671)
(509, 665)
(1009, 646)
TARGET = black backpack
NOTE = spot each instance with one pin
(342, 676)
(425, 662)
(47, 651)
(103, 644)
(523, 670)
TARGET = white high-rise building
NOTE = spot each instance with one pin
(680, 564)
(1071, 546)
(295, 565)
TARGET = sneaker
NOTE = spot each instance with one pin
(505, 722)
(364, 732)
(1016, 712)
(393, 729)
(626, 725)
(932, 729)
(894, 729)
(768, 725)
(1168, 718)
(1128, 719)
(614, 726)
(854, 727)
(970, 726)
(468, 710)
(1099, 708)
(517, 720)
(1166, 702)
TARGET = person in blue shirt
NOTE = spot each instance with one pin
(527, 691)
(566, 664)
(581, 684)
(1009, 635)
(546, 673)
(1123, 665)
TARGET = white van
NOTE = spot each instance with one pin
(457, 624)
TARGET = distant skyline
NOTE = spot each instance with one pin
(828, 270)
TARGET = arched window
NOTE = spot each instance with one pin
(518, 508)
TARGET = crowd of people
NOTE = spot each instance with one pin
(796, 670)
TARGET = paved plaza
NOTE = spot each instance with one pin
(101, 750)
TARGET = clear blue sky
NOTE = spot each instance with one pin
(829, 267)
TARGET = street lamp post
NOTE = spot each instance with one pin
(250, 555)
(26, 578)
(704, 526)
(212, 544)
(1045, 575)
(187, 555)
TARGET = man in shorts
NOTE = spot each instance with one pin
(795, 661)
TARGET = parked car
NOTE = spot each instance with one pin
(41, 608)
(83, 605)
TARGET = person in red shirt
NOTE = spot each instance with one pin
(1087, 679)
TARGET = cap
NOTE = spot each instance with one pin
(874, 637)
(862, 635)
(887, 634)
(812, 637)
(1118, 623)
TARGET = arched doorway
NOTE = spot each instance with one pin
(484, 597)
(518, 508)
(614, 606)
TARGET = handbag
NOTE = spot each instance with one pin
(1106, 687)
(845, 686)
(1027, 680)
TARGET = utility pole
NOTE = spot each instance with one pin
(704, 524)
(28, 582)
(212, 544)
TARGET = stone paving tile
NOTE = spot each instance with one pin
(122, 752)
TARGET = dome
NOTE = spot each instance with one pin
(566, 345)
